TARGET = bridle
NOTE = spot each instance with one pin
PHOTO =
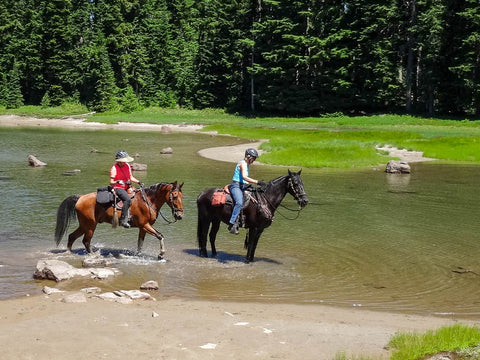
(295, 193)
(170, 202)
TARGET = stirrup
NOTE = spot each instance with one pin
(233, 229)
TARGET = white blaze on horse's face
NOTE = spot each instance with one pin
(175, 201)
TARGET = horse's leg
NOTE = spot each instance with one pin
(213, 235)
(202, 232)
(141, 238)
(253, 236)
(74, 236)
(87, 238)
(149, 229)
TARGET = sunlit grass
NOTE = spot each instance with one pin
(156, 115)
(461, 339)
(336, 142)
(47, 112)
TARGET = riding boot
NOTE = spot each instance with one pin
(233, 228)
(124, 217)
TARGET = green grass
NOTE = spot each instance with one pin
(156, 115)
(337, 142)
(460, 339)
(50, 112)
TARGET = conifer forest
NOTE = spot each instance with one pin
(283, 57)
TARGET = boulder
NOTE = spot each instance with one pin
(96, 261)
(72, 172)
(75, 298)
(91, 290)
(125, 296)
(49, 290)
(149, 285)
(33, 161)
(139, 167)
(397, 167)
(60, 270)
(167, 150)
(166, 129)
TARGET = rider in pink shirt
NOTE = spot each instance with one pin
(120, 179)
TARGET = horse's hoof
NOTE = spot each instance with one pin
(203, 254)
(160, 257)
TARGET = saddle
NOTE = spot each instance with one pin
(106, 196)
(222, 197)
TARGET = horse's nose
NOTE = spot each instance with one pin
(179, 215)
(303, 201)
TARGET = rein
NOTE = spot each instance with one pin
(159, 211)
(296, 197)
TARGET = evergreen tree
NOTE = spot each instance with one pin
(155, 28)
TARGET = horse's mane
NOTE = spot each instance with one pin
(152, 189)
(276, 180)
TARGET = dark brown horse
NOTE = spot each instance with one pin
(144, 209)
(258, 214)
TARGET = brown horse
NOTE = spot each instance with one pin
(144, 209)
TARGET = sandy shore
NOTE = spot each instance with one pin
(44, 327)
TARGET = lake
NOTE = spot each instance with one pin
(402, 243)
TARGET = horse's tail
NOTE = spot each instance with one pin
(66, 211)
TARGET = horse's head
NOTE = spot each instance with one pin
(295, 188)
(175, 200)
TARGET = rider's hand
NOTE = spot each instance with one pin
(128, 182)
(140, 183)
(261, 183)
(120, 182)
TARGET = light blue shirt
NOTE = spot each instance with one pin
(237, 174)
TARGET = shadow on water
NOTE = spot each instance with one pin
(225, 258)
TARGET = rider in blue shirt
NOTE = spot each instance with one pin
(240, 180)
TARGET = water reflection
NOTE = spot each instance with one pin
(382, 241)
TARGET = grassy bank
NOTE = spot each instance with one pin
(454, 342)
(333, 142)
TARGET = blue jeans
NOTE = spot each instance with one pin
(236, 190)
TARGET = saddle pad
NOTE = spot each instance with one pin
(219, 198)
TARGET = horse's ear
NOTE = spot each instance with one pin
(289, 172)
(180, 186)
(300, 172)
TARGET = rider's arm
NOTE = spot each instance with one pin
(243, 170)
(134, 179)
(113, 172)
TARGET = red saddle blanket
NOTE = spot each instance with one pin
(220, 197)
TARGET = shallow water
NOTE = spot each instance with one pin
(406, 243)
